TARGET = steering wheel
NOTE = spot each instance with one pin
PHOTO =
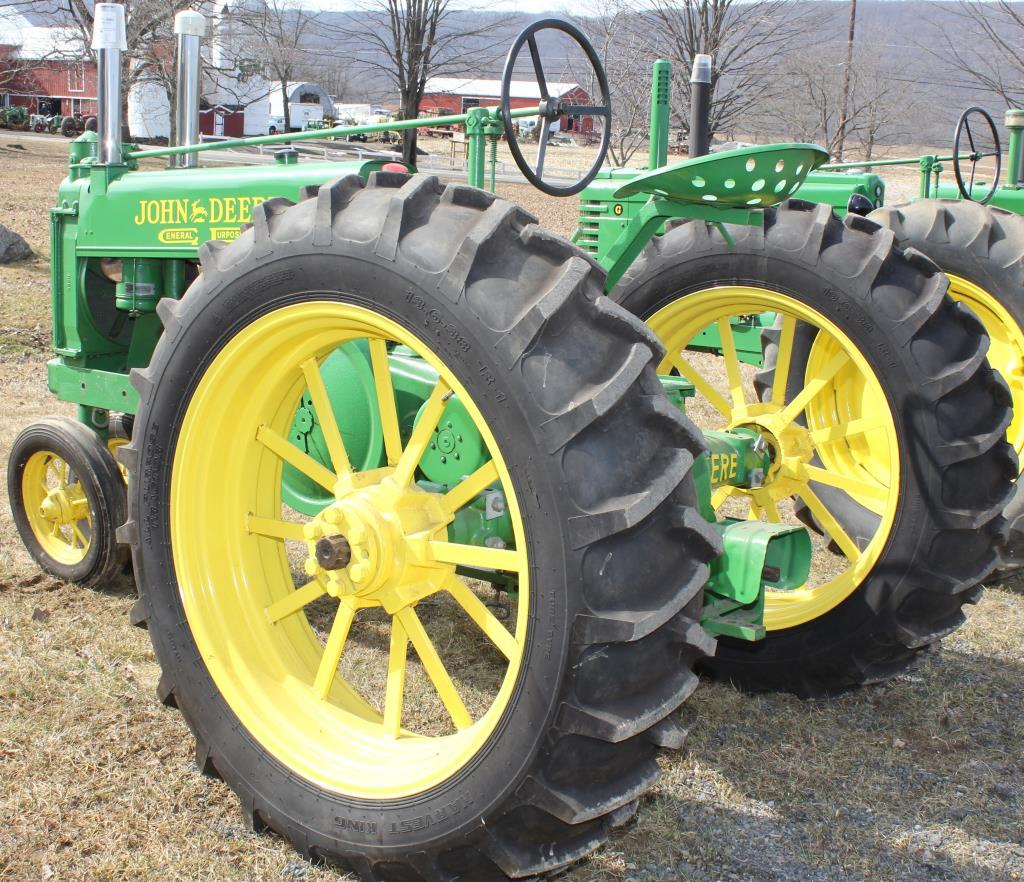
(963, 126)
(552, 108)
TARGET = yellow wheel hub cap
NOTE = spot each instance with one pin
(831, 436)
(1005, 350)
(57, 508)
(347, 643)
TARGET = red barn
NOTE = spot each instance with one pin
(45, 69)
(456, 95)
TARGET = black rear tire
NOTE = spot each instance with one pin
(619, 552)
(950, 409)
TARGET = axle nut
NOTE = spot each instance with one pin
(333, 552)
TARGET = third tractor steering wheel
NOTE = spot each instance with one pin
(963, 126)
(552, 108)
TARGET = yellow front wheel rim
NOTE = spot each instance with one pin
(836, 432)
(56, 507)
(1005, 350)
(113, 445)
(272, 621)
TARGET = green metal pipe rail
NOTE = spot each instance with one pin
(482, 123)
(930, 167)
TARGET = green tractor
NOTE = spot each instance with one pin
(359, 410)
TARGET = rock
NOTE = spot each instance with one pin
(12, 246)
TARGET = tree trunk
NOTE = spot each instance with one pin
(844, 107)
(287, 109)
(410, 110)
(172, 100)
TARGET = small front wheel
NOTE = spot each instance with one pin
(67, 499)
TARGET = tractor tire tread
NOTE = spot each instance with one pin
(599, 754)
(945, 352)
(985, 245)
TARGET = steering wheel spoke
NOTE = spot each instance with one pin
(551, 109)
(542, 144)
(538, 68)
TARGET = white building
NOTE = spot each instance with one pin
(306, 102)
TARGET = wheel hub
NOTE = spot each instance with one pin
(60, 507)
(789, 447)
(372, 544)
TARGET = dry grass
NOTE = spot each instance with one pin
(919, 779)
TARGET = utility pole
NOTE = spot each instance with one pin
(844, 107)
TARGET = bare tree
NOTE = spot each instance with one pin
(844, 103)
(335, 75)
(626, 57)
(409, 41)
(278, 33)
(822, 105)
(984, 43)
(744, 38)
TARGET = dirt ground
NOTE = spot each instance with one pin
(917, 779)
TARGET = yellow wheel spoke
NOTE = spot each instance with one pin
(847, 483)
(702, 385)
(813, 388)
(783, 360)
(841, 431)
(765, 505)
(79, 537)
(732, 361)
(429, 416)
(325, 416)
(295, 601)
(291, 454)
(479, 556)
(386, 400)
(477, 610)
(394, 696)
(469, 488)
(332, 651)
(829, 524)
(756, 512)
(275, 529)
(435, 668)
(719, 496)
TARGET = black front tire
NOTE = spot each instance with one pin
(94, 469)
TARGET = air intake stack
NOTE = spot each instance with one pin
(190, 28)
(109, 41)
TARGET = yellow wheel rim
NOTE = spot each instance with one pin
(1005, 350)
(272, 621)
(836, 433)
(56, 507)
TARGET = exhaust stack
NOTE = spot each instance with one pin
(109, 41)
(190, 28)
(700, 106)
